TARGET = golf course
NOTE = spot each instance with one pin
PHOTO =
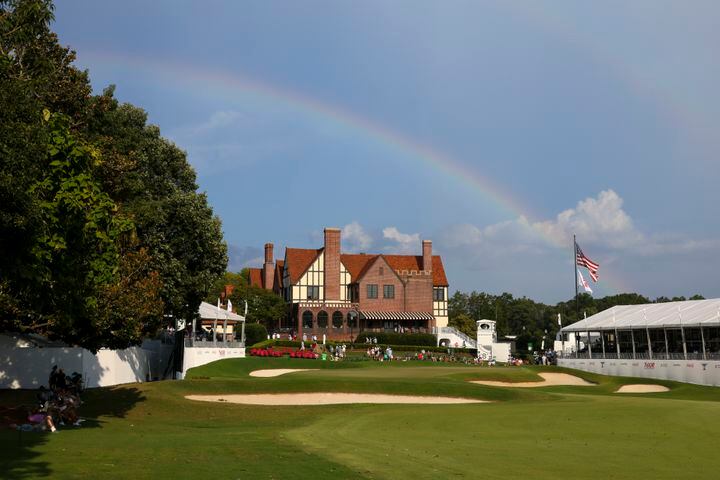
(153, 430)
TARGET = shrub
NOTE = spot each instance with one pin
(422, 339)
(254, 333)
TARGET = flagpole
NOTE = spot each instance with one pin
(577, 305)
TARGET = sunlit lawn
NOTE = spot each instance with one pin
(151, 431)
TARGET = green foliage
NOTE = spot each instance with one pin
(236, 280)
(130, 309)
(156, 185)
(254, 333)
(263, 305)
(102, 229)
(464, 323)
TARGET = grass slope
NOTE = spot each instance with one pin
(151, 431)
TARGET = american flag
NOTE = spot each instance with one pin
(583, 261)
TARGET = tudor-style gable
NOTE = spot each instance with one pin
(380, 287)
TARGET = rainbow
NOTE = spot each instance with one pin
(235, 82)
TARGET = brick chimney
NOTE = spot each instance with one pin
(268, 267)
(332, 264)
(227, 291)
(427, 255)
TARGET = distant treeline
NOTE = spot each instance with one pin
(531, 320)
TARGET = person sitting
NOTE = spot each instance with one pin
(41, 420)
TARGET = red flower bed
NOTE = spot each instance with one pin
(303, 354)
(280, 352)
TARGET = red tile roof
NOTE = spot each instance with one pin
(299, 260)
(439, 278)
(256, 279)
(414, 262)
(356, 264)
(279, 274)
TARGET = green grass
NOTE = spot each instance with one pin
(151, 431)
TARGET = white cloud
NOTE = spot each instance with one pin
(509, 237)
(599, 221)
(219, 119)
(355, 238)
(404, 242)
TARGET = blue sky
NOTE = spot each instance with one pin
(496, 128)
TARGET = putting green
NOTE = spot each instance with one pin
(151, 431)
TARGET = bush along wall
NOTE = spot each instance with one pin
(422, 339)
(254, 333)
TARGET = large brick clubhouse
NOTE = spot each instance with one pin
(340, 294)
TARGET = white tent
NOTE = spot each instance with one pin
(689, 313)
(211, 312)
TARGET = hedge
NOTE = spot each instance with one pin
(254, 333)
(422, 339)
(364, 346)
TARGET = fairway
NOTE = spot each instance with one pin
(151, 430)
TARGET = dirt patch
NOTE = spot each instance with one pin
(327, 399)
(549, 380)
(276, 372)
(640, 388)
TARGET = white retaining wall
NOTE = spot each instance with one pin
(701, 372)
(196, 356)
(29, 367)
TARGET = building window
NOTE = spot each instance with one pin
(388, 291)
(322, 319)
(337, 320)
(382, 271)
(307, 319)
(438, 294)
(313, 293)
(372, 291)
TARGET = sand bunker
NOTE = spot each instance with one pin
(639, 388)
(550, 380)
(327, 399)
(276, 372)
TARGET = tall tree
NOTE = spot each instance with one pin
(112, 174)
(153, 181)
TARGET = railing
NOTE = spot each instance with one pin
(472, 343)
(641, 355)
(191, 343)
(405, 330)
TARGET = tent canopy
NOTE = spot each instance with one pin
(211, 312)
(689, 313)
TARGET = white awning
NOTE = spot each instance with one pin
(211, 312)
(690, 313)
(378, 315)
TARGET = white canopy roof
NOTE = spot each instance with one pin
(211, 312)
(690, 313)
